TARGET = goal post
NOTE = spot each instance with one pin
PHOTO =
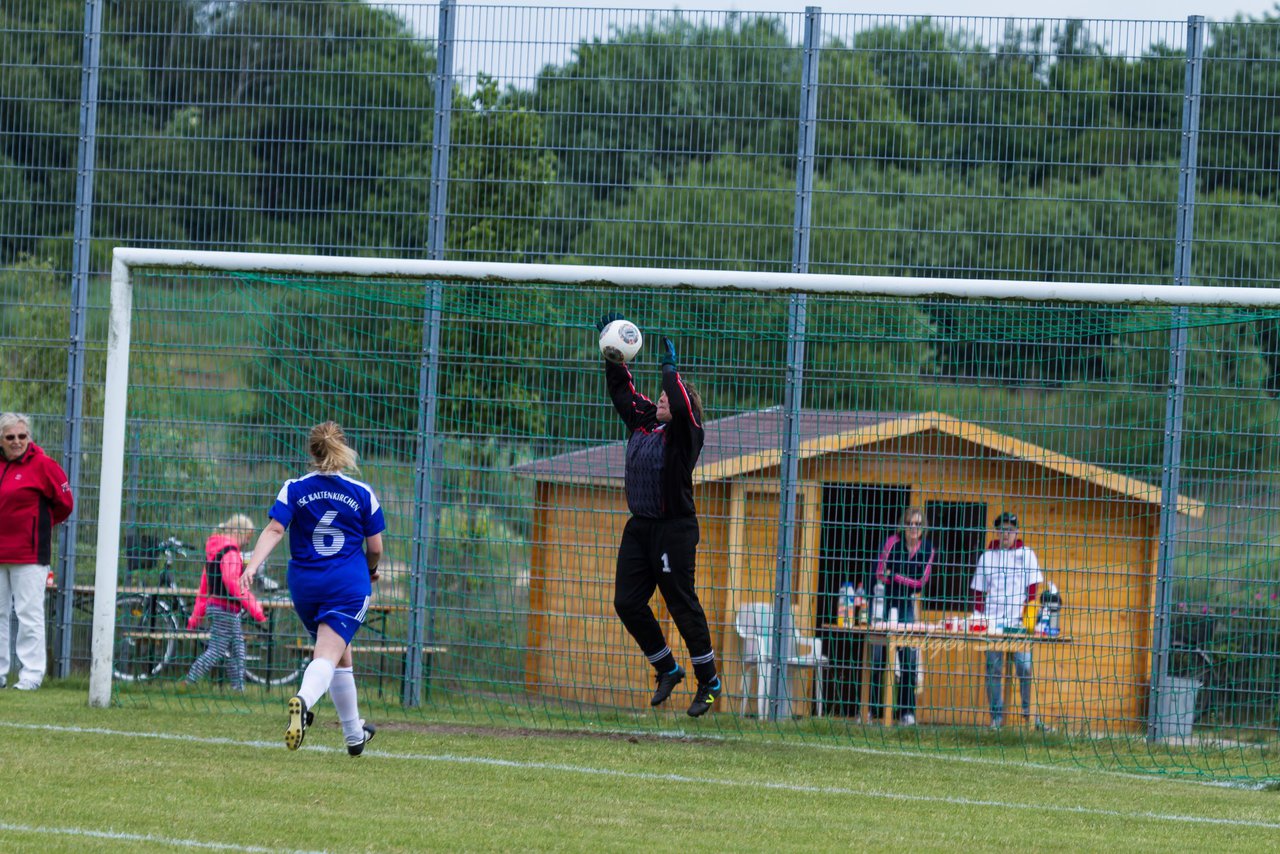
(968, 398)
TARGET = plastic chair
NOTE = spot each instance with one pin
(754, 624)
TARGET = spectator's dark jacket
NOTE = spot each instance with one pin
(660, 457)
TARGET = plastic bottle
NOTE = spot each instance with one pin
(1030, 617)
(1049, 623)
(877, 602)
(860, 605)
(844, 607)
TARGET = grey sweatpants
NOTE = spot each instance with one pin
(226, 639)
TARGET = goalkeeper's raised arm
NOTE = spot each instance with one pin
(683, 403)
(637, 411)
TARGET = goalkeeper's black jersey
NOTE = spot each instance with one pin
(660, 457)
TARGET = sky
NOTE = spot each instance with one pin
(513, 40)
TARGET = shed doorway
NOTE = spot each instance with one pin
(856, 518)
(957, 530)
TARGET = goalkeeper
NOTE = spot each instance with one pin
(660, 539)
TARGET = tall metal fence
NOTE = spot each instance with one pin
(1058, 150)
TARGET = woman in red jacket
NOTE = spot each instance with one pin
(34, 496)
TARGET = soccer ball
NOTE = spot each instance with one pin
(620, 341)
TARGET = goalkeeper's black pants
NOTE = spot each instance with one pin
(659, 554)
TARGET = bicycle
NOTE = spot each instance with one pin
(151, 621)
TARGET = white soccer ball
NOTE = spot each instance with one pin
(620, 341)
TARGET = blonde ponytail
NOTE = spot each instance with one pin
(329, 449)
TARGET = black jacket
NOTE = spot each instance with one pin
(660, 457)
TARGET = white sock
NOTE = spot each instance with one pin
(315, 680)
(342, 690)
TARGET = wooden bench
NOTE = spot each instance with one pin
(376, 648)
(163, 635)
(383, 650)
(135, 590)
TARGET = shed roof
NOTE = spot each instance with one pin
(750, 442)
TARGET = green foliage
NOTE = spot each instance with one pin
(34, 310)
(1041, 155)
(33, 325)
(39, 78)
(356, 370)
(1239, 85)
(501, 176)
(654, 98)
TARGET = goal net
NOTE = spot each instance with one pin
(1126, 435)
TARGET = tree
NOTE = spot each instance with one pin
(653, 98)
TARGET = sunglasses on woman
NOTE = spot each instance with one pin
(12, 436)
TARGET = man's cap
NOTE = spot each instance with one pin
(1007, 520)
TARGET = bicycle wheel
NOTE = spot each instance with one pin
(277, 651)
(146, 635)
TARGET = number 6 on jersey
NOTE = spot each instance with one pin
(327, 539)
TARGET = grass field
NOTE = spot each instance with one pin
(143, 779)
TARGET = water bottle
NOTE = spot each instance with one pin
(877, 602)
(844, 607)
(860, 606)
(1049, 623)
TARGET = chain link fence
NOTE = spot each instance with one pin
(1133, 152)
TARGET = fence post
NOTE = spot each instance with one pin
(73, 410)
(424, 560)
(1170, 475)
(793, 393)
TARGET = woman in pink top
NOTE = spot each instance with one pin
(222, 597)
(906, 562)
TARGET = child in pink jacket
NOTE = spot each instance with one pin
(223, 599)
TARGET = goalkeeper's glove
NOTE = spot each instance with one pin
(668, 353)
(606, 320)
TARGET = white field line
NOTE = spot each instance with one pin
(908, 752)
(1180, 818)
(6, 827)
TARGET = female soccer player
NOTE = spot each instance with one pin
(660, 540)
(335, 542)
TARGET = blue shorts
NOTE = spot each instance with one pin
(339, 600)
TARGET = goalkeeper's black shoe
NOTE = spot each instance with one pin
(707, 694)
(300, 717)
(369, 732)
(667, 683)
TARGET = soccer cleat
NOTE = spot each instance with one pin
(26, 685)
(369, 732)
(708, 693)
(300, 717)
(667, 683)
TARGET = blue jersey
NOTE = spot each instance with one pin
(328, 517)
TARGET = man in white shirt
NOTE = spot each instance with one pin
(1004, 582)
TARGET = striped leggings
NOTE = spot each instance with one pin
(226, 639)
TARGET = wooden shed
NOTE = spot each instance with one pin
(1094, 530)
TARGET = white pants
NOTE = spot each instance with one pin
(22, 585)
